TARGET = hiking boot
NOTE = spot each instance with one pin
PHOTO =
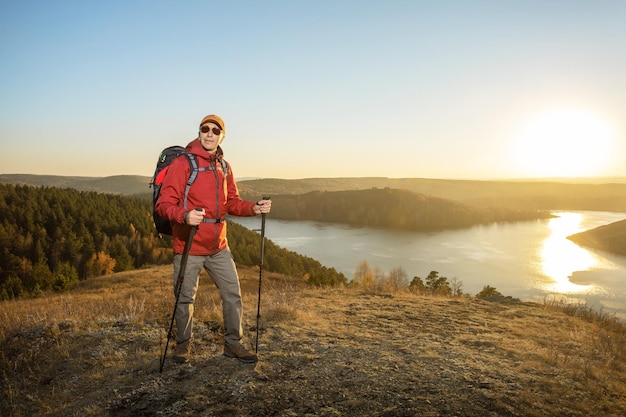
(182, 352)
(240, 353)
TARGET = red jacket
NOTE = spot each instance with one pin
(212, 190)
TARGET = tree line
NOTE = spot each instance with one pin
(373, 280)
(392, 208)
(51, 238)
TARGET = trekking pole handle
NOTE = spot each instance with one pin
(186, 250)
(263, 232)
(191, 235)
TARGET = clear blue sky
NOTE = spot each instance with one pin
(321, 88)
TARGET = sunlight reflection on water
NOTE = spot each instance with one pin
(560, 257)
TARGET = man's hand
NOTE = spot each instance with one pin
(194, 217)
(263, 206)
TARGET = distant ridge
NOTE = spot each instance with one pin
(574, 180)
(117, 184)
(513, 194)
(600, 194)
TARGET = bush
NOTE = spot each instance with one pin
(438, 285)
(488, 292)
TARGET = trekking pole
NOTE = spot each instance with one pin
(258, 306)
(179, 284)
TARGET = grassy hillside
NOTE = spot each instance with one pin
(340, 352)
(610, 238)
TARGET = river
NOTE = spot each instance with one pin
(528, 260)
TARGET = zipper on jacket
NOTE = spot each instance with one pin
(217, 205)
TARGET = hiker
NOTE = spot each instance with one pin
(214, 192)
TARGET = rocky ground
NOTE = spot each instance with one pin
(322, 352)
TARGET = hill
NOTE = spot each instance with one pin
(96, 351)
(609, 238)
(391, 208)
(51, 238)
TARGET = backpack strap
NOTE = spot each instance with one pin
(193, 174)
(224, 166)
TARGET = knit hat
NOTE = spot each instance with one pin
(213, 118)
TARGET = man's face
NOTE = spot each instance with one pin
(210, 136)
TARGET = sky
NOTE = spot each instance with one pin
(317, 88)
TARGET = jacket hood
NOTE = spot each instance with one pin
(195, 147)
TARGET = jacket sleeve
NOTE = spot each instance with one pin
(170, 202)
(234, 204)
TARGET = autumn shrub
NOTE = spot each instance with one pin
(488, 291)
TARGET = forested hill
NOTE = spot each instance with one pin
(609, 238)
(388, 208)
(50, 238)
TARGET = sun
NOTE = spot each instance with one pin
(565, 142)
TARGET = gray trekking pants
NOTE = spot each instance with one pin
(222, 270)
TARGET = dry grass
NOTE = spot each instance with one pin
(327, 352)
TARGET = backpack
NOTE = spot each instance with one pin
(167, 155)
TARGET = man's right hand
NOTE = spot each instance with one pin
(194, 217)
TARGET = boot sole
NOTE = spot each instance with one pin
(244, 360)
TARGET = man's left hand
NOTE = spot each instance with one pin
(262, 206)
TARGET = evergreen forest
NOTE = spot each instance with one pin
(51, 238)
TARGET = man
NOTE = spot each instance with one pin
(215, 194)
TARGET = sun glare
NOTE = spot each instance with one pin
(561, 257)
(564, 142)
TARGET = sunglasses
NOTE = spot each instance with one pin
(205, 129)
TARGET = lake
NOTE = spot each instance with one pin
(529, 260)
